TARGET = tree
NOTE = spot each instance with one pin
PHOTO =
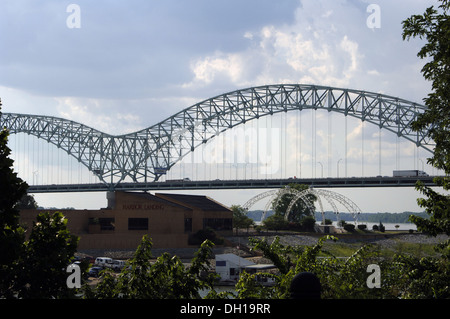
(275, 222)
(339, 278)
(33, 268)
(434, 26)
(47, 253)
(240, 219)
(26, 202)
(166, 278)
(299, 209)
(12, 188)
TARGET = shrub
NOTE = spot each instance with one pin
(362, 227)
(275, 222)
(205, 234)
(308, 223)
(349, 227)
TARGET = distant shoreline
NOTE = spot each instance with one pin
(385, 218)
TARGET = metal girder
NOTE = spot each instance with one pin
(305, 195)
(258, 197)
(145, 155)
(331, 198)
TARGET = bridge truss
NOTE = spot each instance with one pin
(306, 196)
(144, 156)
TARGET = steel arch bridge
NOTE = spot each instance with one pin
(145, 155)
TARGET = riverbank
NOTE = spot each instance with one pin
(389, 242)
(239, 245)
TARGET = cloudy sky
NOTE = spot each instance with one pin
(121, 66)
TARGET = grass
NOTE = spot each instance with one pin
(415, 249)
(341, 249)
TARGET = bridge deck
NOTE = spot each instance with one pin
(344, 182)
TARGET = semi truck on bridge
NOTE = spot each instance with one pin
(409, 173)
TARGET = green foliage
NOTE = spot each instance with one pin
(349, 227)
(249, 288)
(166, 278)
(26, 202)
(205, 234)
(438, 206)
(275, 222)
(278, 222)
(307, 223)
(12, 235)
(362, 226)
(35, 268)
(279, 254)
(402, 277)
(240, 219)
(12, 188)
(425, 277)
(434, 26)
(48, 252)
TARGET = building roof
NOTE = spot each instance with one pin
(261, 266)
(151, 197)
(234, 259)
(194, 201)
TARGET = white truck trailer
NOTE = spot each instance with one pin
(409, 173)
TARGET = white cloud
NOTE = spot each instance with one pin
(208, 69)
(328, 43)
(94, 113)
(248, 35)
(301, 52)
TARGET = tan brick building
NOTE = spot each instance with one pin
(168, 219)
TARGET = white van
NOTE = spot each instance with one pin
(117, 265)
(103, 262)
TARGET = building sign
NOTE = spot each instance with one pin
(145, 206)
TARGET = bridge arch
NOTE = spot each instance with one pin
(275, 196)
(147, 154)
(330, 197)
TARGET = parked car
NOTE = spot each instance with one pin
(117, 265)
(94, 271)
(104, 262)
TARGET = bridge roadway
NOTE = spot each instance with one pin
(340, 182)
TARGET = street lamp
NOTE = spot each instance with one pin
(322, 167)
(338, 166)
